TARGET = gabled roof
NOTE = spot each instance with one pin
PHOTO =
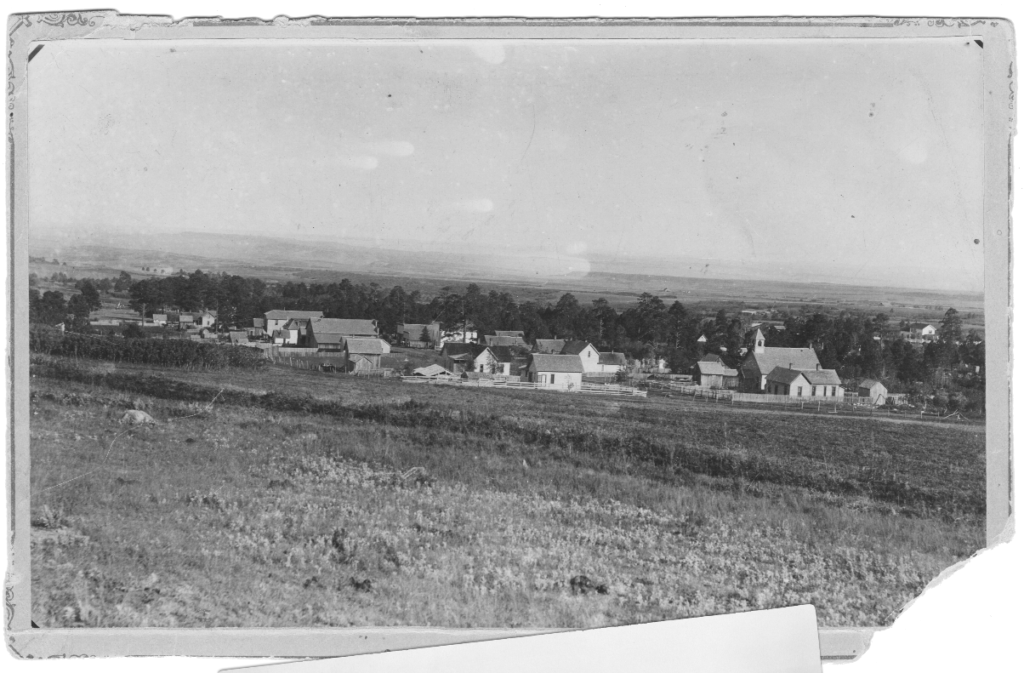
(365, 346)
(431, 370)
(920, 325)
(822, 377)
(575, 347)
(346, 326)
(296, 323)
(611, 359)
(868, 383)
(784, 376)
(787, 358)
(453, 348)
(502, 353)
(329, 338)
(498, 340)
(551, 346)
(715, 368)
(543, 362)
(285, 315)
(510, 333)
(711, 357)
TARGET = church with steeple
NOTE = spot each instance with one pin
(761, 360)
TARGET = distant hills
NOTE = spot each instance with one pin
(286, 257)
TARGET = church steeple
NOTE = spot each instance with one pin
(758, 341)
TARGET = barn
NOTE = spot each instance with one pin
(712, 373)
(874, 390)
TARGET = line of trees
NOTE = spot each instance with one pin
(855, 344)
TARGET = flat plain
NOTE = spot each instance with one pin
(286, 497)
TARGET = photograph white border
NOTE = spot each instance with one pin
(839, 643)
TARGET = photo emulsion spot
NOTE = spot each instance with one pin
(502, 333)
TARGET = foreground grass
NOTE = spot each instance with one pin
(247, 516)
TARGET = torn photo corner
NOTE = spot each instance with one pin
(331, 337)
(782, 639)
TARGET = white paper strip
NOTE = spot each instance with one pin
(766, 641)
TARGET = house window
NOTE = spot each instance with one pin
(552, 379)
(833, 391)
(799, 391)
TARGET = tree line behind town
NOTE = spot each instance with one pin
(855, 344)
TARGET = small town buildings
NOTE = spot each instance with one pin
(160, 319)
(589, 356)
(296, 332)
(330, 334)
(238, 337)
(461, 357)
(873, 390)
(920, 332)
(804, 383)
(364, 353)
(502, 359)
(611, 363)
(276, 319)
(412, 334)
(761, 360)
(712, 373)
(205, 319)
(555, 371)
(549, 346)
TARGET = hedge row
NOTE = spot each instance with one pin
(160, 352)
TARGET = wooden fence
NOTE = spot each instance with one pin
(586, 388)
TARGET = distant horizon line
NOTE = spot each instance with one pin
(601, 259)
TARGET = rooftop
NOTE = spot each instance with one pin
(543, 362)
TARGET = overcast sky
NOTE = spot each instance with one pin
(860, 156)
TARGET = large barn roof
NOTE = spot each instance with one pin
(346, 326)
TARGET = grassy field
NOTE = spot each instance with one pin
(287, 498)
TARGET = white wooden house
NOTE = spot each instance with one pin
(555, 371)
(815, 383)
(589, 356)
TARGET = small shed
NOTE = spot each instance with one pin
(713, 373)
(874, 390)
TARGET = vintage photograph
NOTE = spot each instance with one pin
(507, 333)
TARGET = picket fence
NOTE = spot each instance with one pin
(586, 388)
